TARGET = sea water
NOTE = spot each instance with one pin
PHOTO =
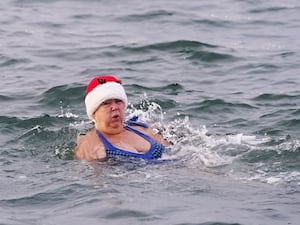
(219, 80)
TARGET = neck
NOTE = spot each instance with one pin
(110, 130)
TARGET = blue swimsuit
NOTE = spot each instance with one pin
(154, 152)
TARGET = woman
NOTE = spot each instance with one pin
(106, 102)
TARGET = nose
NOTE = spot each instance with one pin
(114, 105)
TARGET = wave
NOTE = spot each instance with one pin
(146, 16)
(8, 61)
(175, 46)
(172, 89)
(69, 94)
(220, 105)
(53, 196)
(5, 98)
(187, 49)
(279, 113)
(271, 9)
(191, 50)
(44, 136)
(275, 97)
(213, 23)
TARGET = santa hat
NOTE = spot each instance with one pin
(100, 89)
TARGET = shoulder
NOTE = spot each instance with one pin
(152, 134)
(89, 147)
(145, 130)
(85, 139)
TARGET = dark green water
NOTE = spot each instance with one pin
(220, 80)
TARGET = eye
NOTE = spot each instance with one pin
(107, 102)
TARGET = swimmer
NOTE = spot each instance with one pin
(112, 136)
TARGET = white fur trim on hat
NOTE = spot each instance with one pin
(101, 93)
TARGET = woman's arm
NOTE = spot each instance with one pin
(89, 147)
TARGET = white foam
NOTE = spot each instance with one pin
(66, 112)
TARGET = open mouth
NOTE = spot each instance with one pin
(116, 116)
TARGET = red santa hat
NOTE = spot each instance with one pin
(100, 89)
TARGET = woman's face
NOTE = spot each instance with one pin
(110, 115)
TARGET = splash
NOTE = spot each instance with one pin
(244, 157)
(147, 111)
(189, 144)
(66, 112)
